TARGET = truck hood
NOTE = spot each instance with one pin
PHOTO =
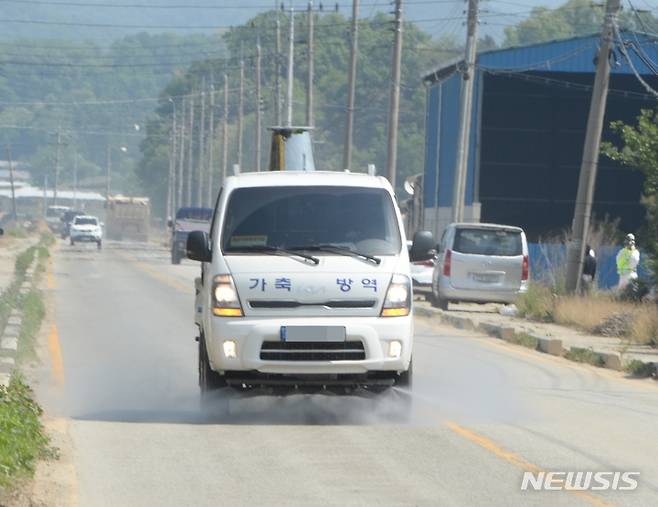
(273, 285)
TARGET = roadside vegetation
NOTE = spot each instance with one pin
(598, 314)
(22, 438)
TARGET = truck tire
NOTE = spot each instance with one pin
(99, 244)
(405, 379)
(209, 380)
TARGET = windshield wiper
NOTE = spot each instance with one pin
(341, 250)
(274, 250)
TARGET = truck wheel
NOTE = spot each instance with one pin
(209, 380)
(99, 244)
(405, 379)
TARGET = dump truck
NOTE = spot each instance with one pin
(128, 218)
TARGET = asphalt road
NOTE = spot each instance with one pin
(123, 374)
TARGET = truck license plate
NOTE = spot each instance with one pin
(312, 333)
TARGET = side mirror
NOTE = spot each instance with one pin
(422, 246)
(197, 246)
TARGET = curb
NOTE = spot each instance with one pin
(544, 344)
(9, 336)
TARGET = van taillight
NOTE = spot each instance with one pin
(525, 270)
(447, 261)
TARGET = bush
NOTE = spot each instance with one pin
(537, 303)
(22, 438)
(640, 369)
(588, 356)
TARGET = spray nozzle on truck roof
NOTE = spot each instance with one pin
(292, 149)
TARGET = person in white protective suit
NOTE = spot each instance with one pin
(628, 259)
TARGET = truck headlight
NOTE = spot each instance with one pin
(225, 301)
(398, 297)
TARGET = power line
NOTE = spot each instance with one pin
(195, 27)
(622, 48)
(187, 6)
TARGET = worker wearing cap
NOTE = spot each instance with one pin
(627, 260)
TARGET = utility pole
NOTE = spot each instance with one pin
(190, 156)
(75, 179)
(351, 87)
(277, 69)
(57, 156)
(108, 174)
(394, 109)
(240, 110)
(589, 165)
(14, 214)
(311, 68)
(258, 107)
(171, 183)
(225, 131)
(465, 109)
(202, 135)
(291, 64)
(211, 143)
(181, 160)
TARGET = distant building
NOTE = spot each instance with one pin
(529, 116)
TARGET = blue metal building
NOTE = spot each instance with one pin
(529, 117)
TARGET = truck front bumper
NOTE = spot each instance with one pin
(372, 335)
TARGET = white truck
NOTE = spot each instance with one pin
(305, 284)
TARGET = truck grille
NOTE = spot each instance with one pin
(312, 351)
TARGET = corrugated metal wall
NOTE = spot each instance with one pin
(527, 137)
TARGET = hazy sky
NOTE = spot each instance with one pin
(439, 17)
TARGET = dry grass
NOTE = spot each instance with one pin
(588, 313)
(645, 325)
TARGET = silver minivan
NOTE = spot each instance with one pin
(482, 263)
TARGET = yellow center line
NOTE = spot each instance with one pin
(56, 356)
(516, 460)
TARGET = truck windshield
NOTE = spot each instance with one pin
(194, 214)
(488, 242)
(85, 221)
(361, 219)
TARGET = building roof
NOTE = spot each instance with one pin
(575, 54)
(28, 192)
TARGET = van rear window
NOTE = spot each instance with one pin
(488, 242)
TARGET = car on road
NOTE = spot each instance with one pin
(67, 219)
(86, 229)
(481, 263)
(54, 216)
(305, 284)
(186, 221)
